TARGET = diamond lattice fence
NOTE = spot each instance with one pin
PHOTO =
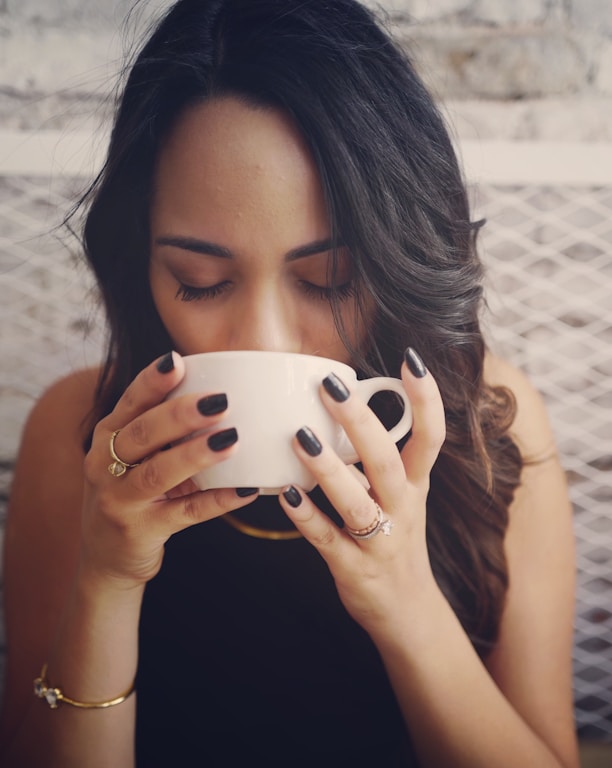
(549, 257)
(548, 251)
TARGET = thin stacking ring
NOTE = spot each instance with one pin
(117, 467)
(380, 524)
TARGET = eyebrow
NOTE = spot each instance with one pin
(207, 248)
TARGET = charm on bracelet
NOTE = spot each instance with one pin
(55, 696)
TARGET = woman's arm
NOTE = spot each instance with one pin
(54, 616)
(460, 713)
(532, 661)
(81, 545)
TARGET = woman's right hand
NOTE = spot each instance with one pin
(127, 519)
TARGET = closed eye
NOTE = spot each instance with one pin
(328, 292)
(187, 292)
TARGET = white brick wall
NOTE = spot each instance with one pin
(531, 62)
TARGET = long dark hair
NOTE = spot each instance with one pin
(396, 200)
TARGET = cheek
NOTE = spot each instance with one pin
(359, 328)
(193, 326)
(190, 334)
(325, 339)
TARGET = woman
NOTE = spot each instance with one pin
(278, 178)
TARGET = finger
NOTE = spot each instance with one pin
(198, 507)
(167, 423)
(315, 526)
(344, 491)
(149, 388)
(359, 476)
(166, 470)
(428, 427)
(377, 452)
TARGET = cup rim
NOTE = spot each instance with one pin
(261, 353)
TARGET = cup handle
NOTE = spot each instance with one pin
(366, 388)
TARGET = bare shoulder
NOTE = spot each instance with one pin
(68, 400)
(542, 495)
(531, 427)
(50, 458)
(48, 479)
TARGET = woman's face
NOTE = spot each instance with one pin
(240, 237)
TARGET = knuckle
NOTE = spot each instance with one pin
(98, 429)
(100, 439)
(182, 411)
(361, 513)
(219, 499)
(192, 507)
(386, 466)
(118, 524)
(112, 512)
(128, 398)
(329, 470)
(139, 432)
(91, 467)
(441, 433)
(194, 450)
(362, 414)
(324, 539)
(147, 477)
(436, 436)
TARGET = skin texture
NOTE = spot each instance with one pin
(263, 202)
(81, 544)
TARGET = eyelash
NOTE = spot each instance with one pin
(323, 293)
(339, 292)
(192, 293)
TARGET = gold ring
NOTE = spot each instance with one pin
(117, 467)
(379, 524)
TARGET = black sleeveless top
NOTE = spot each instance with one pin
(248, 658)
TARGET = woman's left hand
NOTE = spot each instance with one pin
(378, 578)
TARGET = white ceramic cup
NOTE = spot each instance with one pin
(271, 395)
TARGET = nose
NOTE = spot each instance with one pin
(265, 320)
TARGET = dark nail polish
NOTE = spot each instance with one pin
(309, 442)
(334, 387)
(212, 404)
(166, 363)
(244, 492)
(292, 496)
(222, 440)
(414, 363)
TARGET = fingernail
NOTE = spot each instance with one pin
(212, 404)
(292, 496)
(309, 442)
(415, 364)
(244, 492)
(222, 440)
(335, 387)
(166, 363)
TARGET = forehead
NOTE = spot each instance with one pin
(225, 161)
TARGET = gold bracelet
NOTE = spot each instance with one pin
(53, 696)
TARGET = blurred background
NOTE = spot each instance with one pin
(526, 86)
